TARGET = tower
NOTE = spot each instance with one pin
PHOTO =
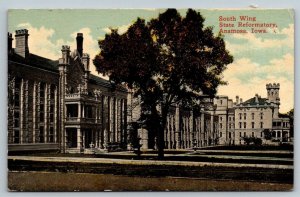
(273, 97)
(273, 92)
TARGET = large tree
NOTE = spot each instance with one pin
(169, 60)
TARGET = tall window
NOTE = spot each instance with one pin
(244, 125)
(221, 118)
(51, 135)
(261, 116)
(240, 124)
(41, 134)
(261, 125)
(245, 116)
(240, 115)
(252, 116)
(16, 136)
(252, 124)
(221, 125)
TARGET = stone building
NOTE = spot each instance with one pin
(60, 104)
(185, 129)
(257, 115)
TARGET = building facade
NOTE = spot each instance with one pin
(257, 116)
(59, 104)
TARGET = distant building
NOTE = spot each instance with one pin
(258, 115)
(251, 118)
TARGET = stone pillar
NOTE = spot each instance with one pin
(143, 135)
(34, 111)
(111, 118)
(106, 121)
(79, 139)
(192, 137)
(79, 110)
(202, 128)
(55, 112)
(177, 127)
(21, 111)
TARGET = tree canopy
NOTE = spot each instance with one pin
(168, 60)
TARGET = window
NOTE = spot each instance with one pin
(52, 92)
(252, 134)
(51, 135)
(221, 101)
(252, 116)
(244, 125)
(42, 90)
(240, 114)
(17, 120)
(41, 116)
(220, 134)
(278, 134)
(244, 134)
(229, 134)
(261, 125)
(252, 124)
(221, 119)
(261, 116)
(17, 123)
(229, 118)
(240, 124)
(229, 126)
(240, 134)
(221, 125)
(16, 136)
(41, 134)
(245, 116)
(17, 99)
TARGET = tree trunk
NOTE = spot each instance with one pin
(160, 135)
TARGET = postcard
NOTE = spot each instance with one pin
(150, 100)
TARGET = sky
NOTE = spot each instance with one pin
(258, 58)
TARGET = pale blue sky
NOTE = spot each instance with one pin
(258, 58)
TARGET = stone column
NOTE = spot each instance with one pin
(21, 111)
(192, 132)
(177, 128)
(106, 121)
(34, 112)
(79, 110)
(79, 139)
(55, 112)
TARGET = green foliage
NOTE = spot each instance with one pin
(267, 134)
(252, 141)
(169, 60)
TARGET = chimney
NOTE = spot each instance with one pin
(65, 50)
(22, 42)
(256, 98)
(79, 40)
(86, 61)
(9, 43)
(241, 100)
(237, 100)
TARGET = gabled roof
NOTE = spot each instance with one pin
(103, 82)
(35, 61)
(252, 102)
(51, 65)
